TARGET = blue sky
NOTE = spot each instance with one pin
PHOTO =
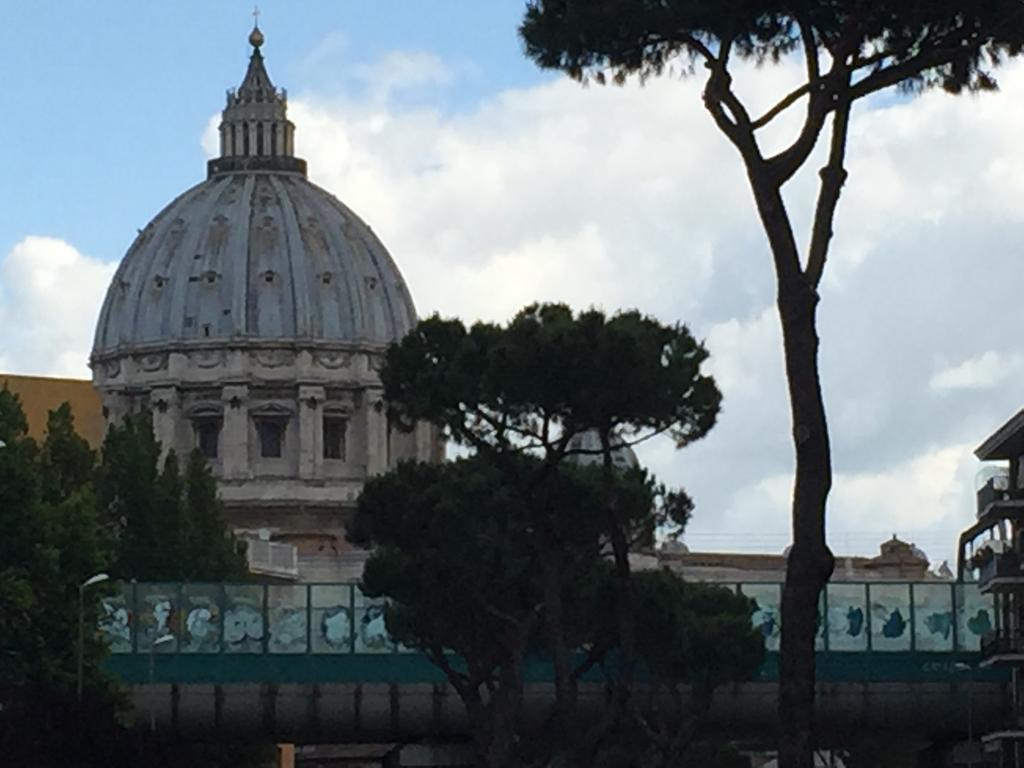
(495, 185)
(106, 102)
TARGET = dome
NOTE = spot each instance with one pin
(249, 319)
(254, 257)
(585, 449)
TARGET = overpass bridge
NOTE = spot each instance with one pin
(314, 663)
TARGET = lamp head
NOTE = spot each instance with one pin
(98, 578)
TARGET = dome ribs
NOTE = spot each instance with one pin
(269, 309)
(241, 227)
(299, 268)
(186, 297)
(346, 294)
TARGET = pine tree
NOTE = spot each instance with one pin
(171, 522)
(215, 555)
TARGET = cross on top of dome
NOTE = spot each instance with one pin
(256, 37)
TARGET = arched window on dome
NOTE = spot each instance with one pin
(270, 430)
(207, 421)
(234, 140)
(259, 138)
(245, 139)
(273, 138)
(208, 437)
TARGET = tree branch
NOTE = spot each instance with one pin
(699, 47)
(897, 73)
(819, 90)
(813, 65)
(783, 104)
(719, 97)
(833, 177)
(460, 682)
(811, 60)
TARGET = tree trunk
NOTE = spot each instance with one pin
(505, 705)
(810, 561)
(624, 598)
(565, 683)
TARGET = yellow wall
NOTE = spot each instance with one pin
(40, 395)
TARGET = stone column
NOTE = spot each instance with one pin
(234, 436)
(166, 407)
(311, 432)
(376, 433)
(115, 406)
(425, 442)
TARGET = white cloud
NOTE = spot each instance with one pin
(985, 371)
(626, 197)
(623, 197)
(50, 295)
(402, 70)
(926, 491)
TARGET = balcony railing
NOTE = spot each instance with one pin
(272, 558)
(1006, 565)
(996, 491)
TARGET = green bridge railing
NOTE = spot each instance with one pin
(933, 617)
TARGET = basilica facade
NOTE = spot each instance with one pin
(250, 317)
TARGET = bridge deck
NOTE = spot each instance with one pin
(312, 661)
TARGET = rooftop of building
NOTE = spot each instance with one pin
(41, 394)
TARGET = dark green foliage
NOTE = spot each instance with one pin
(126, 481)
(690, 639)
(687, 632)
(170, 524)
(533, 400)
(462, 553)
(457, 549)
(915, 43)
(56, 535)
(550, 374)
(67, 459)
(695, 633)
(19, 483)
(212, 552)
(52, 542)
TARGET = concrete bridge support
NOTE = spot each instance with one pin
(324, 713)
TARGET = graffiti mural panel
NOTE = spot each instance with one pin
(243, 618)
(158, 617)
(286, 609)
(975, 617)
(890, 616)
(847, 617)
(371, 627)
(768, 616)
(201, 618)
(115, 625)
(933, 617)
(332, 618)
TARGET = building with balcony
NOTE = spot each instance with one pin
(991, 551)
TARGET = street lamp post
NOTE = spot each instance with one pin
(152, 674)
(97, 579)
